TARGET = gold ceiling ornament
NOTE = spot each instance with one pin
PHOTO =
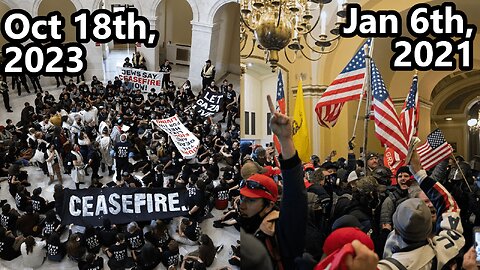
(275, 25)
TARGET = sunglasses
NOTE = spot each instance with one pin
(253, 185)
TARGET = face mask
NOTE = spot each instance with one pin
(250, 225)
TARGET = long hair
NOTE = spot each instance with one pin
(30, 243)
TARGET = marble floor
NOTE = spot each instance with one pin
(226, 236)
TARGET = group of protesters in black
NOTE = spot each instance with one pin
(95, 130)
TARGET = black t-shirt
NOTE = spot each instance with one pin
(55, 250)
(193, 231)
(122, 149)
(230, 96)
(8, 221)
(119, 252)
(165, 68)
(21, 201)
(49, 227)
(95, 265)
(138, 98)
(6, 249)
(93, 243)
(38, 203)
(170, 258)
(107, 236)
(135, 240)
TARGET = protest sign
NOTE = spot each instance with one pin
(208, 104)
(141, 79)
(122, 205)
(185, 141)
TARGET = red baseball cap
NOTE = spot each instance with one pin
(260, 186)
(338, 238)
(308, 166)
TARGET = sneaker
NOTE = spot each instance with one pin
(218, 225)
(219, 248)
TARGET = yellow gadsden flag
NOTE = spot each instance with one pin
(301, 138)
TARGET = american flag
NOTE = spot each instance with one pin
(410, 113)
(347, 86)
(434, 150)
(280, 106)
(387, 124)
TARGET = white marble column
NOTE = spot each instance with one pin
(94, 62)
(150, 54)
(200, 51)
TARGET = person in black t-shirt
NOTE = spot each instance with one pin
(108, 233)
(171, 255)
(55, 249)
(9, 217)
(197, 208)
(92, 240)
(121, 150)
(134, 236)
(166, 69)
(148, 258)
(118, 255)
(39, 204)
(158, 235)
(51, 224)
(7, 240)
(92, 262)
(190, 229)
(22, 198)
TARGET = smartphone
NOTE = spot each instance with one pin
(476, 235)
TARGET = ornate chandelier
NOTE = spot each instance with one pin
(281, 24)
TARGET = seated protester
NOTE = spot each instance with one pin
(39, 204)
(51, 224)
(134, 236)
(92, 240)
(221, 195)
(191, 189)
(189, 229)
(22, 198)
(148, 258)
(231, 217)
(198, 202)
(92, 262)
(413, 224)
(33, 252)
(171, 255)
(193, 263)
(14, 179)
(158, 235)
(8, 218)
(131, 180)
(7, 245)
(117, 254)
(58, 198)
(108, 233)
(28, 224)
(207, 250)
(76, 247)
(55, 249)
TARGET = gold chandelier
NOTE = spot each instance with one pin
(281, 24)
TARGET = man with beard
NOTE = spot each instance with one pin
(282, 231)
(395, 197)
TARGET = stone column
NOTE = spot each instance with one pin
(200, 51)
(150, 54)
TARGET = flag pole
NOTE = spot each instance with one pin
(358, 113)
(458, 166)
(368, 51)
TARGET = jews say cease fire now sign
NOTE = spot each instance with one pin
(185, 141)
(141, 79)
(122, 205)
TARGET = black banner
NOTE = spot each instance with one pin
(122, 205)
(208, 104)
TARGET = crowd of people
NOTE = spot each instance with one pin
(96, 132)
(333, 215)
